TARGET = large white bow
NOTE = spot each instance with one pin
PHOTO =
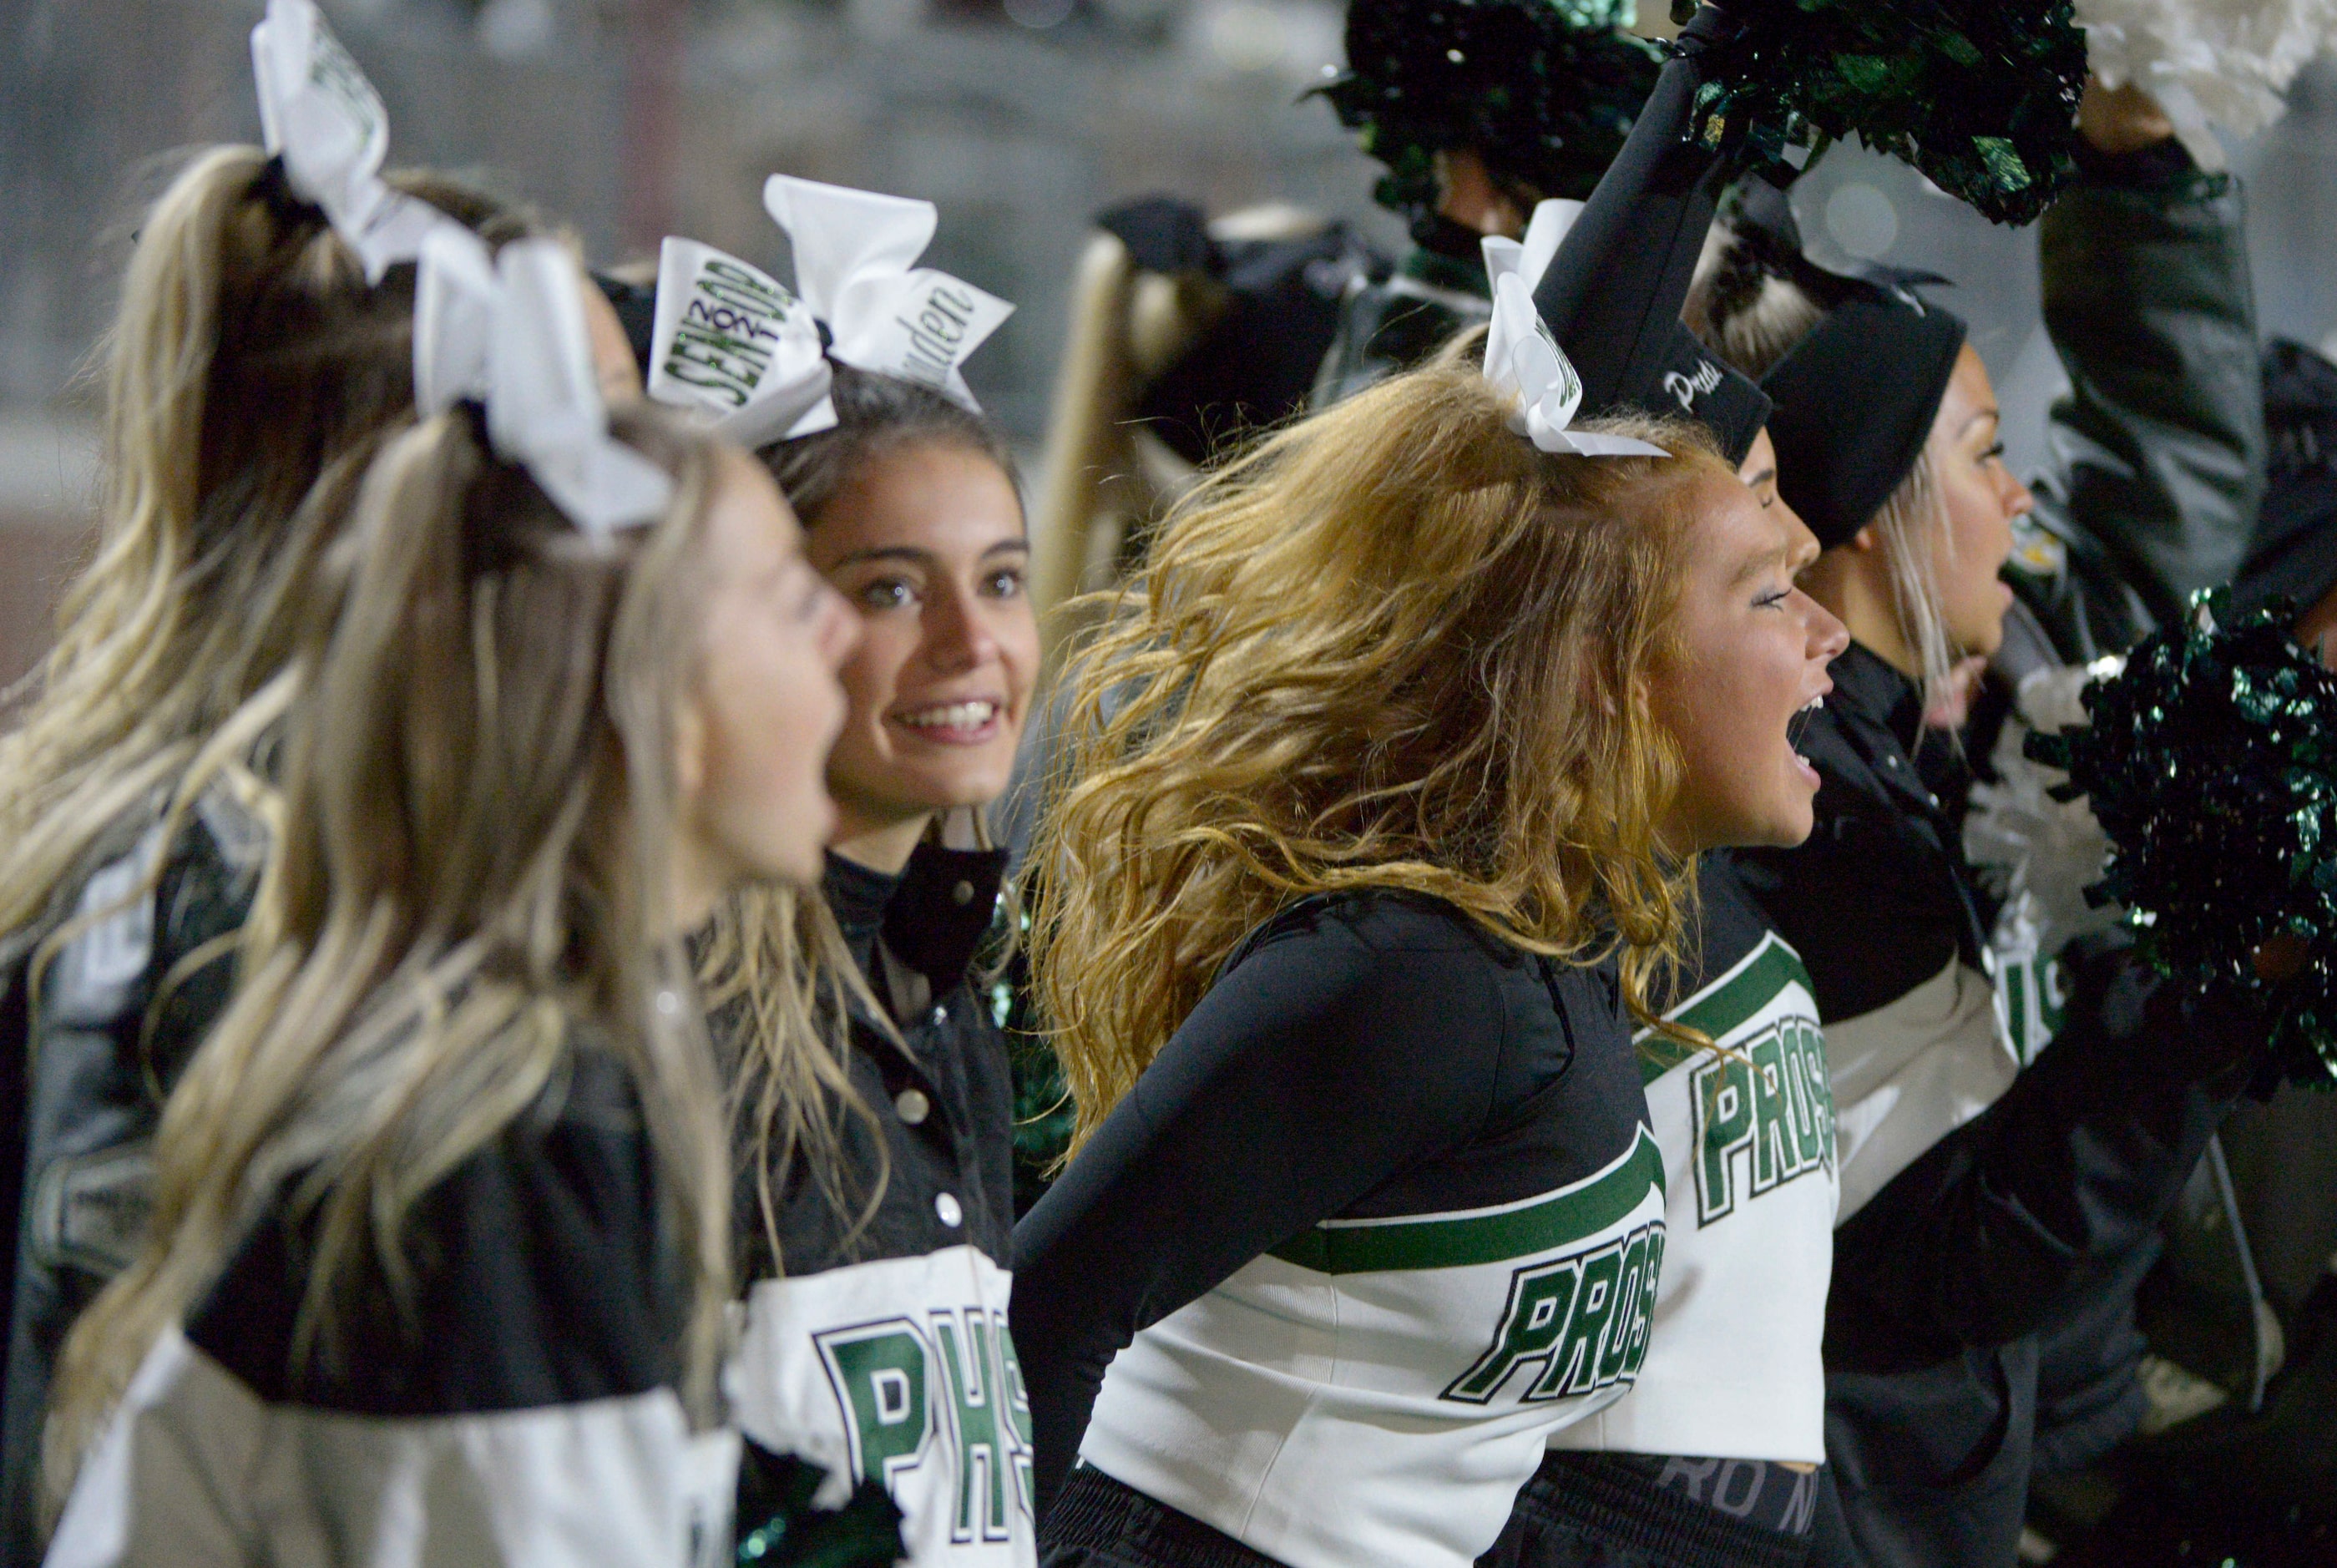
(853, 252)
(320, 115)
(1523, 360)
(730, 341)
(509, 332)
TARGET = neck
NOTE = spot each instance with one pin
(880, 846)
(1855, 585)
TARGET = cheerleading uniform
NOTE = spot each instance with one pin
(1963, 1246)
(102, 1044)
(1384, 1213)
(1677, 1473)
(880, 1350)
(524, 1411)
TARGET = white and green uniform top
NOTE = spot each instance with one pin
(1384, 1215)
(1733, 1368)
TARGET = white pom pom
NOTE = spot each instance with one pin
(2041, 853)
(2221, 63)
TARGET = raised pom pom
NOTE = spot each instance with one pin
(1980, 96)
(2207, 61)
(1544, 92)
(2211, 762)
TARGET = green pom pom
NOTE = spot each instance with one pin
(2211, 763)
(1980, 96)
(780, 1527)
(1544, 91)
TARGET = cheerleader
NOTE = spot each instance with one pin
(134, 792)
(442, 1245)
(1353, 898)
(877, 1229)
(1961, 1232)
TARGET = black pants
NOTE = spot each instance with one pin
(1609, 1511)
(1099, 1522)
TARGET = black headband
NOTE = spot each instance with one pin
(1854, 403)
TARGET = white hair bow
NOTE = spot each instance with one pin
(509, 332)
(319, 115)
(1529, 258)
(853, 253)
(733, 343)
(1523, 361)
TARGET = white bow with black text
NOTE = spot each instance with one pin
(508, 331)
(319, 115)
(1523, 362)
(731, 342)
(855, 266)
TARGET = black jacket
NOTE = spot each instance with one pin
(2160, 445)
(942, 1094)
(2002, 1227)
(111, 1024)
(1390, 326)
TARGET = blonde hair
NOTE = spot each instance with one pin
(780, 984)
(1748, 315)
(1393, 646)
(475, 861)
(249, 373)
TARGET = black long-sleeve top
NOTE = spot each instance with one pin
(1369, 1073)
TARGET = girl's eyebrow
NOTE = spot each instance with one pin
(889, 553)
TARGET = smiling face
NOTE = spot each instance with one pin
(1753, 655)
(926, 543)
(764, 703)
(1981, 499)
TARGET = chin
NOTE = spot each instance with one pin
(1785, 827)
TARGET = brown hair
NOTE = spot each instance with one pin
(1393, 646)
(877, 415)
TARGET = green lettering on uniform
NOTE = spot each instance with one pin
(1574, 1361)
(1777, 1148)
(1540, 1299)
(1017, 1411)
(880, 1377)
(983, 1455)
(1723, 1089)
(1813, 1092)
(1617, 1360)
(1643, 1316)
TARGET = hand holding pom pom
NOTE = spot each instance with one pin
(2211, 763)
(1980, 95)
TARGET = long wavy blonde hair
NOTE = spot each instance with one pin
(1394, 646)
(249, 373)
(475, 863)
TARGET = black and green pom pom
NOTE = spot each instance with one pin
(2211, 763)
(1980, 96)
(1543, 89)
(779, 1526)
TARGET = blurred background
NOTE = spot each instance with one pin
(1019, 119)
